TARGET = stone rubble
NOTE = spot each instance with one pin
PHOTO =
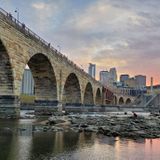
(110, 125)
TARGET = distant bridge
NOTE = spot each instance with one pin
(57, 79)
(123, 100)
(115, 97)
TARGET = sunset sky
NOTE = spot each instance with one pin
(110, 33)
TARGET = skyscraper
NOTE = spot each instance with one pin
(92, 70)
(27, 86)
(124, 77)
(140, 80)
(113, 74)
(105, 78)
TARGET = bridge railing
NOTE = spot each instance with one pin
(24, 29)
(21, 26)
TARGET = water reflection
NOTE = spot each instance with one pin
(5, 146)
(18, 142)
(42, 145)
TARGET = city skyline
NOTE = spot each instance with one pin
(107, 33)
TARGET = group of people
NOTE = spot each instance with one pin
(133, 113)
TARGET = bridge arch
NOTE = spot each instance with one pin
(88, 95)
(128, 101)
(121, 101)
(6, 72)
(44, 78)
(71, 90)
(98, 97)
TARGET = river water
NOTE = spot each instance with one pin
(18, 142)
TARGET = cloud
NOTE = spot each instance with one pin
(124, 34)
(112, 33)
(40, 5)
(102, 16)
(46, 14)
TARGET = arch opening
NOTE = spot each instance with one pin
(88, 95)
(45, 85)
(121, 101)
(6, 72)
(72, 91)
(98, 97)
(128, 101)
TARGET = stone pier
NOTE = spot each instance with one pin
(9, 106)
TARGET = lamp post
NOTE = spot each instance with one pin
(17, 11)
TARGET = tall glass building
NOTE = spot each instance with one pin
(27, 86)
(92, 70)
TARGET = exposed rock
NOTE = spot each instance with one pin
(122, 126)
(83, 125)
(55, 120)
(91, 129)
(133, 127)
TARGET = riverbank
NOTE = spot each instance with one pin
(113, 125)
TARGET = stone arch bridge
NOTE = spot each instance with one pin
(57, 79)
(123, 100)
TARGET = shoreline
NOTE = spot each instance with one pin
(112, 125)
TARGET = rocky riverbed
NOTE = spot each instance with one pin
(128, 126)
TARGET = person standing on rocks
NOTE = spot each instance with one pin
(135, 115)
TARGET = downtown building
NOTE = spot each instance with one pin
(139, 81)
(132, 86)
(104, 77)
(108, 78)
(124, 77)
(113, 74)
(92, 70)
(27, 86)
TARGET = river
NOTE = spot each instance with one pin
(18, 142)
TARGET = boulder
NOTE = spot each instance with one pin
(91, 129)
(54, 120)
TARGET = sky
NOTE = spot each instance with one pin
(110, 33)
